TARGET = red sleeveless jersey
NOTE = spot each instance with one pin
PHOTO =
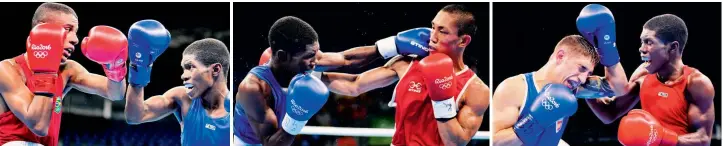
(12, 129)
(414, 117)
(667, 103)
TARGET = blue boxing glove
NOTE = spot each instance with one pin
(597, 22)
(554, 102)
(414, 41)
(307, 94)
(147, 39)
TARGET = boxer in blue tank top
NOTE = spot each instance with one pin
(534, 108)
(201, 106)
(243, 133)
(552, 133)
(283, 77)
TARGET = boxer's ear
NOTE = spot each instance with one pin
(216, 69)
(674, 48)
(464, 41)
(559, 55)
(281, 55)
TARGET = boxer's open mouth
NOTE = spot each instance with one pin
(572, 84)
(646, 60)
(188, 85)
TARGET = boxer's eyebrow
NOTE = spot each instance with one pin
(69, 27)
(187, 66)
(584, 68)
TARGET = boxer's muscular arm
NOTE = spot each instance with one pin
(96, 84)
(610, 109)
(617, 79)
(506, 101)
(701, 112)
(154, 108)
(261, 117)
(351, 58)
(356, 84)
(33, 111)
(459, 130)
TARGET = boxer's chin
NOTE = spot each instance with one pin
(646, 65)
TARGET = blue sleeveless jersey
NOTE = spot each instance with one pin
(200, 129)
(553, 133)
(242, 129)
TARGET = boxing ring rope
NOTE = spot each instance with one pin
(365, 132)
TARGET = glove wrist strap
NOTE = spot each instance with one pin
(291, 125)
(387, 47)
(445, 108)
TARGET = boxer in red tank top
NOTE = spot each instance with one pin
(27, 118)
(677, 100)
(413, 107)
(438, 100)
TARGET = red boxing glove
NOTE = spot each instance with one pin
(44, 51)
(639, 128)
(266, 56)
(438, 73)
(109, 47)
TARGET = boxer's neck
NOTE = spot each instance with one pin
(282, 75)
(546, 75)
(458, 61)
(214, 96)
(670, 71)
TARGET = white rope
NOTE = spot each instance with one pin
(365, 132)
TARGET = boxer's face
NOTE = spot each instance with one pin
(445, 37)
(653, 52)
(71, 24)
(198, 78)
(305, 60)
(574, 69)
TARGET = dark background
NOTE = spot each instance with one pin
(528, 33)
(343, 26)
(85, 120)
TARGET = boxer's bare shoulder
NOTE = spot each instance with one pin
(476, 95)
(10, 67)
(506, 102)
(252, 85)
(71, 68)
(400, 64)
(700, 86)
(180, 97)
(639, 74)
(252, 98)
(179, 93)
(512, 90)
(11, 81)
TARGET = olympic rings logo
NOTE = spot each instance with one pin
(40, 54)
(549, 102)
(546, 105)
(445, 85)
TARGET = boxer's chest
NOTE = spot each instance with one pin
(664, 101)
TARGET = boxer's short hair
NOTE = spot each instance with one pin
(46, 8)
(292, 35)
(465, 19)
(578, 44)
(209, 51)
(669, 28)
